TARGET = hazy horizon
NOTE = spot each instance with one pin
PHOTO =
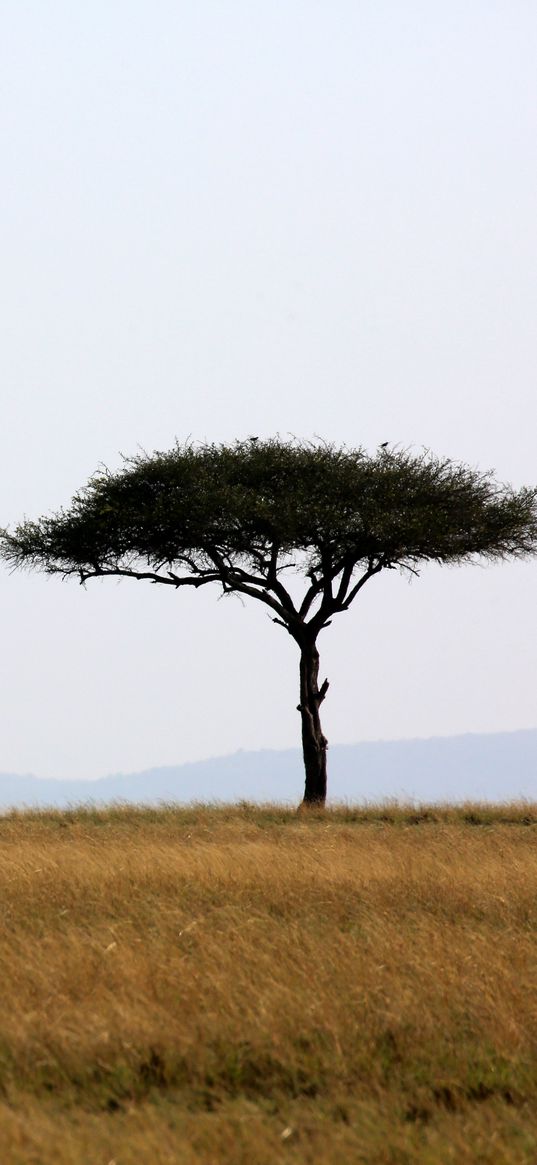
(237, 752)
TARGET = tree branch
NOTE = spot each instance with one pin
(173, 580)
(369, 573)
(235, 578)
(347, 569)
(311, 594)
(274, 582)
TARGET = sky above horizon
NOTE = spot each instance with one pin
(298, 218)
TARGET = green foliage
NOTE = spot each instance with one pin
(241, 514)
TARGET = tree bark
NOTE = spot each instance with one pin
(314, 743)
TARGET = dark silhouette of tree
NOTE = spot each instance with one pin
(244, 516)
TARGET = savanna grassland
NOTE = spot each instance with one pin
(252, 986)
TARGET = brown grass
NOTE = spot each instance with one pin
(248, 986)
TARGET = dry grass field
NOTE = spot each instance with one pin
(249, 986)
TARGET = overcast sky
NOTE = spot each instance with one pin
(223, 218)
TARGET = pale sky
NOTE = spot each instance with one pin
(218, 219)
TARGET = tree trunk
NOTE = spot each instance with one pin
(314, 744)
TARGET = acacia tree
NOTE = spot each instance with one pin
(243, 516)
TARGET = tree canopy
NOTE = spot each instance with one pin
(243, 515)
(212, 509)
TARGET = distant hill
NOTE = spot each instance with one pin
(494, 767)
